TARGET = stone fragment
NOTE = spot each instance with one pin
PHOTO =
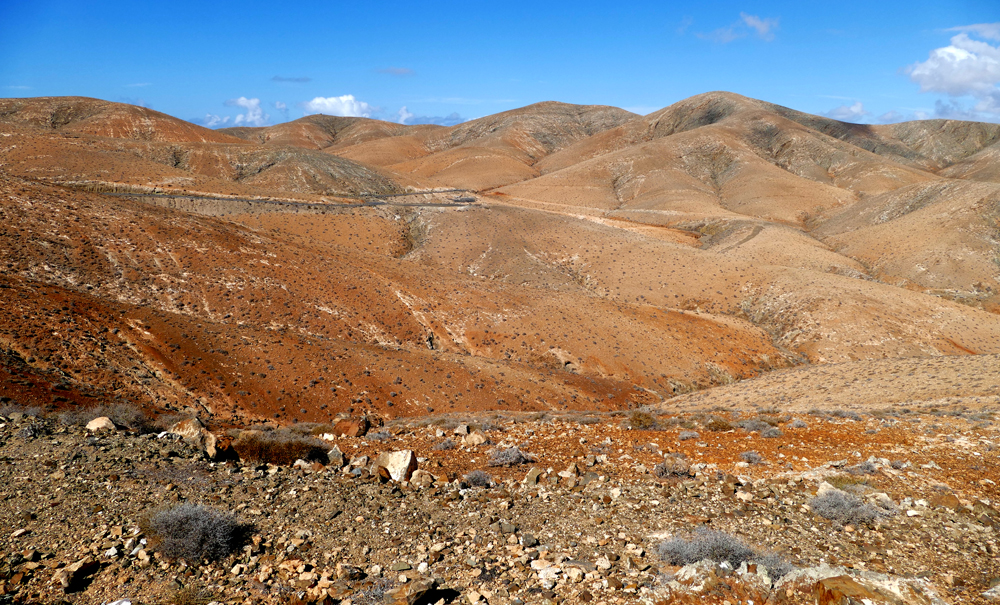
(336, 458)
(356, 427)
(532, 477)
(422, 479)
(474, 438)
(462, 429)
(101, 423)
(411, 592)
(949, 501)
(195, 433)
(71, 576)
(400, 464)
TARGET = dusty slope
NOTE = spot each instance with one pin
(228, 168)
(86, 116)
(327, 324)
(491, 151)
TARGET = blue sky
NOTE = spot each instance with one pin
(255, 63)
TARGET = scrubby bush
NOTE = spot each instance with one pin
(194, 532)
(381, 436)
(798, 424)
(719, 547)
(705, 544)
(685, 435)
(753, 425)
(122, 414)
(863, 468)
(844, 508)
(672, 466)
(752, 457)
(642, 421)
(478, 479)
(771, 432)
(511, 456)
(718, 425)
(279, 447)
(846, 414)
(447, 444)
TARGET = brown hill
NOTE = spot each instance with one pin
(83, 115)
(624, 260)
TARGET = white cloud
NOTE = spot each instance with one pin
(254, 116)
(891, 117)
(138, 85)
(849, 113)
(214, 121)
(345, 105)
(990, 31)
(764, 27)
(404, 115)
(280, 106)
(965, 68)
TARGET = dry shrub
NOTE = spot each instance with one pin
(845, 508)
(718, 425)
(194, 532)
(719, 546)
(478, 479)
(279, 448)
(511, 456)
(642, 421)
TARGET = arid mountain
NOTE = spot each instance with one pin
(609, 260)
(85, 116)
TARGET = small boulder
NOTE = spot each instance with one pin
(474, 438)
(422, 479)
(352, 427)
(72, 576)
(102, 423)
(411, 592)
(462, 429)
(195, 433)
(336, 458)
(400, 464)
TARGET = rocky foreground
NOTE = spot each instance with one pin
(580, 516)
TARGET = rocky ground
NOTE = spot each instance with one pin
(582, 523)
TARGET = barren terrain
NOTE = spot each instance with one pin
(721, 255)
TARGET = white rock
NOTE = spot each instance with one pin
(195, 433)
(102, 423)
(400, 464)
(474, 438)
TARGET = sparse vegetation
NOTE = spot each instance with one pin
(379, 437)
(511, 456)
(447, 444)
(194, 532)
(718, 425)
(279, 447)
(752, 457)
(672, 466)
(771, 432)
(643, 421)
(847, 509)
(478, 479)
(686, 435)
(798, 424)
(719, 547)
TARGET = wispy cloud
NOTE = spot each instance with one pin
(396, 71)
(685, 23)
(138, 85)
(282, 108)
(855, 113)
(345, 105)
(403, 115)
(254, 116)
(964, 68)
(762, 28)
(293, 80)
(448, 120)
(990, 31)
(212, 121)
